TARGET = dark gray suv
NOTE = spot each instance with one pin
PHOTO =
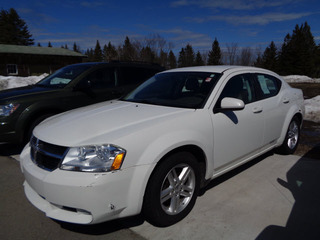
(21, 109)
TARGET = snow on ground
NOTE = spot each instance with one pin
(300, 79)
(312, 105)
(312, 109)
(13, 82)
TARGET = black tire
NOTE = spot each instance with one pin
(169, 197)
(291, 141)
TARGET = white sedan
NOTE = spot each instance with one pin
(152, 150)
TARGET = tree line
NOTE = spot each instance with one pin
(298, 54)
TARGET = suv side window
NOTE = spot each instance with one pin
(102, 78)
(268, 86)
(240, 87)
(135, 75)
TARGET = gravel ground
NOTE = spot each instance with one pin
(309, 145)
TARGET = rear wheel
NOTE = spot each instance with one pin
(172, 190)
(292, 138)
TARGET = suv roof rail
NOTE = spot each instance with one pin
(137, 62)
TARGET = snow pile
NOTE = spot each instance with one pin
(312, 107)
(13, 82)
(300, 79)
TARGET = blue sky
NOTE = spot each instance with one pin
(249, 23)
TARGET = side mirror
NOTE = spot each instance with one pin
(230, 104)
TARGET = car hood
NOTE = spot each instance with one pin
(15, 93)
(103, 122)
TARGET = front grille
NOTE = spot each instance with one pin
(45, 155)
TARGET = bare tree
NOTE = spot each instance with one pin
(246, 57)
(204, 56)
(231, 54)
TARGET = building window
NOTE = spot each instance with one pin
(12, 69)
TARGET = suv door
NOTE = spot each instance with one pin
(237, 134)
(99, 85)
(131, 76)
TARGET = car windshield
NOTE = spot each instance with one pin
(63, 76)
(175, 89)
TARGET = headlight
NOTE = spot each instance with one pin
(7, 110)
(101, 158)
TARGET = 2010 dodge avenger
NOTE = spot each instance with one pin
(152, 150)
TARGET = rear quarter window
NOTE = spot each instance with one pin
(268, 86)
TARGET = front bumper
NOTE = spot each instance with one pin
(84, 198)
(7, 133)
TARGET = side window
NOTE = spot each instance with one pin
(130, 75)
(269, 86)
(102, 78)
(135, 75)
(240, 87)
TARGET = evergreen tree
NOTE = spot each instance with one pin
(214, 57)
(172, 60)
(269, 59)
(14, 30)
(190, 58)
(317, 60)
(76, 48)
(97, 54)
(90, 54)
(128, 51)
(147, 55)
(182, 61)
(110, 52)
(105, 53)
(199, 61)
(299, 52)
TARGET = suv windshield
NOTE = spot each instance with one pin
(175, 89)
(63, 76)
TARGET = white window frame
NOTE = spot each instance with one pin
(10, 68)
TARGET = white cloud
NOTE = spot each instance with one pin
(183, 37)
(262, 19)
(233, 4)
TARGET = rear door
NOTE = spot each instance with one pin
(274, 106)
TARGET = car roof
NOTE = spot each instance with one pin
(217, 69)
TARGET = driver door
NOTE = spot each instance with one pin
(237, 134)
